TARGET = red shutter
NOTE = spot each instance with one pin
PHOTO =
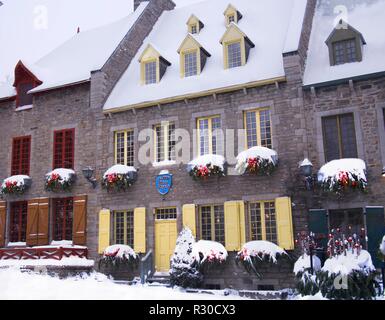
(64, 149)
(80, 221)
(3, 216)
(21, 154)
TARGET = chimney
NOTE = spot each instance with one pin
(138, 2)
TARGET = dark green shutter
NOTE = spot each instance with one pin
(318, 224)
(375, 225)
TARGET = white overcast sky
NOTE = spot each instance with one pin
(30, 29)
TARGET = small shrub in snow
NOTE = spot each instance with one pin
(207, 166)
(305, 271)
(339, 176)
(255, 253)
(15, 185)
(59, 180)
(118, 257)
(257, 160)
(184, 271)
(209, 254)
(119, 178)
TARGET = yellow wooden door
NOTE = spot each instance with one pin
(165, 241)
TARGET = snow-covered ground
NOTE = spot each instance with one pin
(15, 285)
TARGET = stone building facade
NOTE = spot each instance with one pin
(296, 114)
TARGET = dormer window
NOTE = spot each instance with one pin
(25, 81)
(236, 47)
(150, 72)
(232, 15)
(345, 44)
(153, 66)
(194, 25)
(193, 57)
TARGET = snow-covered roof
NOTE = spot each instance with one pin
(74, 60)
(274, 26)
(366, 17)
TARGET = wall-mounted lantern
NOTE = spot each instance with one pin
(88, 173)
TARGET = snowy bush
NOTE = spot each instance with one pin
(184, 271)
(382, 246)
(339, 176)
(209, 254)
(349, 275)
(207, 166)
(119, 178)
(254, 254)
(306, 281)
(16, 185)
(257, 160)
(117, 257)
(59, 180)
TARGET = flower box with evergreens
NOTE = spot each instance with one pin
(119, 178)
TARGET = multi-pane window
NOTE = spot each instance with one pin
(166, 214)
(190, 64)
(150, 72)
(263, 223)
(62, 219)
(210, 136)
(21, 150)
(234, 55)
(18, 221)
(124, 147)
(345, 51)
(64, 141)
(258, 128)
(231, 18)
(165, 142)
(124, 227)
(23, 98)
(212, 223)
(339, 137)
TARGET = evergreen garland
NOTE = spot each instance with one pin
(117, 182)
(55, 183)
(204, 172)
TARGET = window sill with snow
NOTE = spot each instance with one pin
(258, 161)
(119, 178)
(207, 166)
(16, 185)
(60, 180)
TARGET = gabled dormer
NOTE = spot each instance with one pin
(152, 66)
(25, 81)
(345, 44)
(194, 25)
(232, 15)
(236, 47)
(193, 57)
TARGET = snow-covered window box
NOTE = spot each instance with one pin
(208, 254)
(60, 180)
(257, 160)
(207, 166)
(119, 178)
(16, 185)
(254, 253)
(342, 175)
(118, 258)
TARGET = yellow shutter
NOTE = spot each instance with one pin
(284, 223)
(189, 219)
(104, 230)
(242, 222)
(140, 230)
(232, 226)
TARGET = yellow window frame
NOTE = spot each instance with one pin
(125, 213)
(212, 219)
(143, 69)
(262, 215)
(125, 132)
(182, 61)
(210, 131)
(258, 122)
(226, 51)
(165, 126)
